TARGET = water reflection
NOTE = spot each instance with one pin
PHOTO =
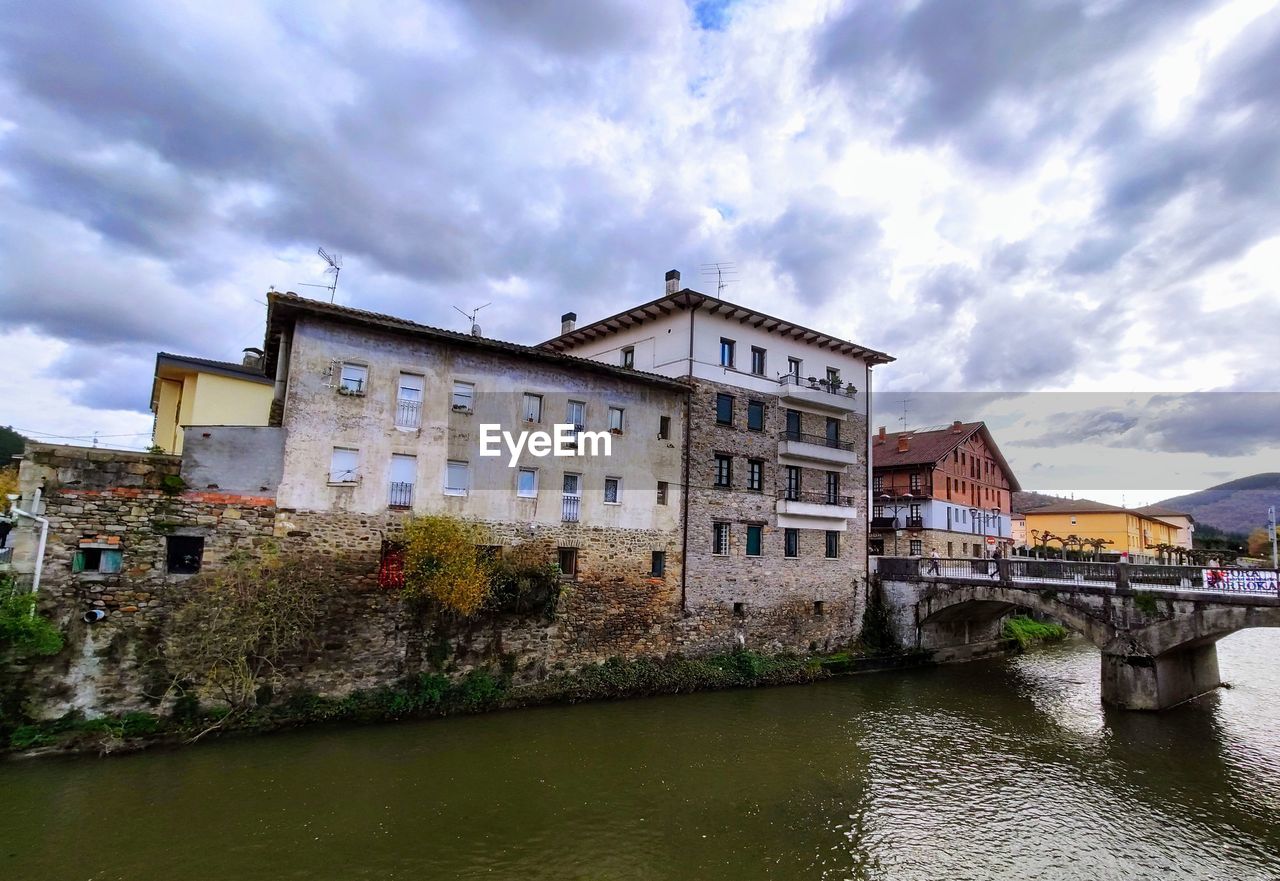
(1006, 769)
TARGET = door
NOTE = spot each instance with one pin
(793, 424)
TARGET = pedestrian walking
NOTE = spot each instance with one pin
(996, 556)
(933, 563)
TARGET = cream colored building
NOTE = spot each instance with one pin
(196, 391)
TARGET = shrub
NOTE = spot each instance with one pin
(1028, 630)
(525, 578)
(23, 633)
(441, 564)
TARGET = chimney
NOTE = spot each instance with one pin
(568, 321)
(957, 427)
(673, 281)
(904, 441)
(880, 436)
(252, 358)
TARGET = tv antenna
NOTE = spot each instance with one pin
(726, 273)
(903, 417)
(471, 317)
(334, 267)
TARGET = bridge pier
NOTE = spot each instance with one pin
(1141, 682)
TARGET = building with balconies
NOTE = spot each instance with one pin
(948, 490)
(776, 447)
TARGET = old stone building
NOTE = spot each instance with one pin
(776, 457)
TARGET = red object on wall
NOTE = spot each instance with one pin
(391, 566)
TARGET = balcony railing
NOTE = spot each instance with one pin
(401, 495)
(915, 523)
(816, 498)
(569, 509)
(834, 387)
(818, 439)
(408, 414)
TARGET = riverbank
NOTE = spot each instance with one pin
(435, 696)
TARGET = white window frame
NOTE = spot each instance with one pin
(359, 382)
(729, 349)
(720, 530)
(352, 473)
(531, 407)
(531, 494)
(468, 398)
(764, 360)
(621, 420)
(466, 470)
(412, 462)
(628, 358)
(617, 491)
(795, 367)
(402, 399)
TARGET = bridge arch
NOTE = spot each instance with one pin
(974, 612)
(1204, 626)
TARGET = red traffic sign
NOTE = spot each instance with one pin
(991, 539)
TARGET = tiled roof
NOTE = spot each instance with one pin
(1162, 511)
(282, 304)
(691, 299)
(1079, 506)
(928, 447)
(250, 373)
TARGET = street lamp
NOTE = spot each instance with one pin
(987, 518)
(897, 506)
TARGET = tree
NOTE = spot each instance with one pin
(1259, 543)
(11, 444)
(441, 564)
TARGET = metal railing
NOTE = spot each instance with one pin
(408, 413)
(820, 440)
(1062, 571)
(401, 495)
(815, 498)
(838, 387)
(915, 523)
(570, 508)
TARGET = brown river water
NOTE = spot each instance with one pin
(1006, 769)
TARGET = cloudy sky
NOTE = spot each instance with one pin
(1042, 197)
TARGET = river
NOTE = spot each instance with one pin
(993, 770)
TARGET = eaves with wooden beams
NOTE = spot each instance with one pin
(688, 299)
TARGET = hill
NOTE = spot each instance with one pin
(1026, 501)
(1234, 506)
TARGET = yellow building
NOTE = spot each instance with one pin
(1129, 531)
(195, 391)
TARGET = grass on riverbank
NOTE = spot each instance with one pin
(1028, 631)
(432, 695)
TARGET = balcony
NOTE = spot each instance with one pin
(400, 496)
(570, 508)
(408, 414)
(815, 504)
(817, 448)
(836, 396)
(898, 522)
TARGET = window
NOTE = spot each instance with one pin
(724, 409)
(355, 377)
(615, 420)
(720, 539)
(532, 408)
(662, 492)
(817, 608)
(183, 553)
(657, 564)
(755, 415)
(404, 474)
(755, 535)
(571, 498)
(391, 564)
(97, 558)
(576, 414)
(791, 542)
(833, 487)
(917, 547)
(527, 483)
(629, 356)
(794, 366)
(833, 432)
(739, 610)
(915, 483)
(793, 482)
(613, 490)
(1073, 520)
(567, 558)
(757, 361)
(915, 511)
(464, 394)
(724, 469)
(877, 483)
(409, 401)
(664, 427)
(457, 479)
(793, 424)
(833, 376)
(951, 549)
(727, 349)
(342, 465)
(755, 475)
(833, 544)
(877, 511)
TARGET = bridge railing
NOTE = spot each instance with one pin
(1062, 571)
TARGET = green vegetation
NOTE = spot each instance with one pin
(431, 694)
(24, 634)
(1146, 602)
(877, 629)
(1028, 631)
(441, 565)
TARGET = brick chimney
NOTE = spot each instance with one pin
(673, 281)
(880, 436)
(957, 427)
(568, 321)
(904, 442)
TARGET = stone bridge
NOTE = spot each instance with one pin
(1156, 626)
